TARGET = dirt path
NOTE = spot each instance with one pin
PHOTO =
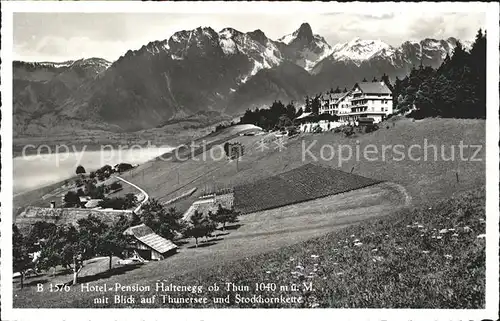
(146, 195)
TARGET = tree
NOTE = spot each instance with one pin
(115, 185)
(20, 255)
(386, 81)
(123, 167)
(198, 226)
(290, 110)
(374, 79)
(39, 231)
(80, 170)
(66, 247)
(364, 80)
(307, 108)
(166, 223)
(283, 122)
(316, 104)
(337, 90)
(130, 200)
(112, 243)
(224, 215)
(345, 89)
(94, 191)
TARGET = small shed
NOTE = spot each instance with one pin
(149, 245)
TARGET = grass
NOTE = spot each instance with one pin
(429, 257)
(254, 234)
(266, 241)
(425, 181)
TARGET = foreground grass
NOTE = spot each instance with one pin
(428, 257)
(431, 257)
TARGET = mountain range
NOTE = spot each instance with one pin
(199, 71)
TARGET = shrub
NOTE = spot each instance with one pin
(80, 170)
(71, 199)
(349, 131)
(317, 129)
(123, 167)
(292, 131)
(115, 185)
(371, 128)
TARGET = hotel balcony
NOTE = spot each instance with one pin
(361, 110)
(372, 97)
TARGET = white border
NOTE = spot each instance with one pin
(492, 164)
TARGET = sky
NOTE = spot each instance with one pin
(69, 36)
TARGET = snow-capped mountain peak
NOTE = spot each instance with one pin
(304, 33)
(359, 50)
(305, 48)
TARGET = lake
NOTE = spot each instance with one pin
(35, 171)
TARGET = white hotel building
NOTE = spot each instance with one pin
(370, 101)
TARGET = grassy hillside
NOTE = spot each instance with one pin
(253, 234)
(430, 257)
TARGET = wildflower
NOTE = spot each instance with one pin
(358, 244)
(352, 235)
(356, 241)
(425, 252)
(481, 236)
(314, 305)
(300, 267)
(422, 234)
(439, 237)
(314, 256)
(310, 276)
(408, 226)
(451, 229)
(291, 259)
(335, 263)
(268, 272)
(315, 270)
(455, 234)
(430, 208)
(340, 273)
(467, 229)
(433, 236)
(315, 264)
(374, 250)
(420, 226)
(448, 256)
(400, 248)
(443, 231)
